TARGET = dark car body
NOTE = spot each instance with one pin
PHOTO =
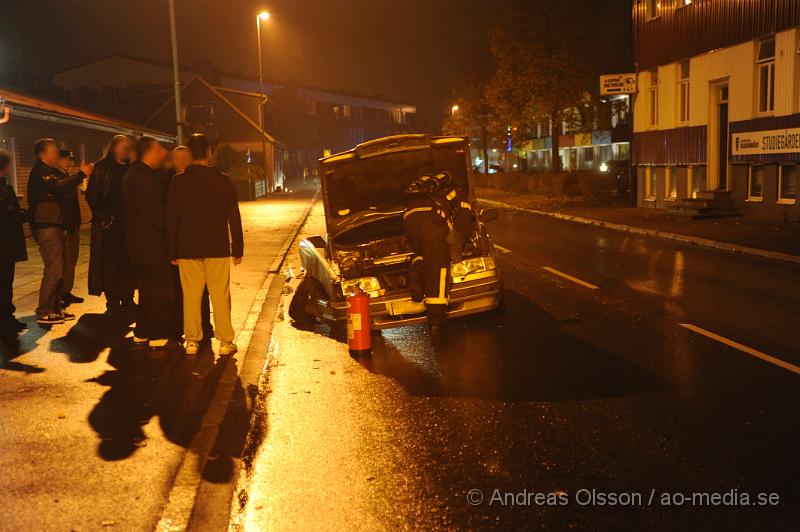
(363, 191)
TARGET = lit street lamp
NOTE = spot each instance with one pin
(454, 109)
(262, 16)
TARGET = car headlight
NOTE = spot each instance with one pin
(473, 265)
(366, 284)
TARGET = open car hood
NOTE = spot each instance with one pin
(372, 177)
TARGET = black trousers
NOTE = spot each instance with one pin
(159, 302)
(427, 235)
(7, 290)
(51, 248)
(119, 278)
(71, 247)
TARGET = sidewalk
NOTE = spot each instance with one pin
(94, 431)
(769, 236)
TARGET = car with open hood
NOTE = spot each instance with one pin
(363, 192)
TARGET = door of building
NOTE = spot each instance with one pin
(723, 136)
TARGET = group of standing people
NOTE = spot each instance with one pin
(170, 231)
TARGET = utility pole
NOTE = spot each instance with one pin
(176, 73)
(264, 15)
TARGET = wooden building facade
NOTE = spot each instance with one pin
(718, 103)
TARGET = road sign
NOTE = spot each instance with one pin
(612, 84)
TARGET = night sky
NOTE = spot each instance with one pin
(407, 50)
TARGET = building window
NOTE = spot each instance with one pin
(649, 183)
(683, 91)
(653, 9)
(8, 144)
(788, 184)
(671, 187)
(765, 65)
(311, 107)
(755, 185)
(653, 103)
(358, 113)
(797, 71)
(398, 116)
(347, 111)
(699, 179)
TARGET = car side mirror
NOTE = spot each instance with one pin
(317, 241)
(487, 215)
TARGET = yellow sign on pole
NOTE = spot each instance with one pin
(612, 84)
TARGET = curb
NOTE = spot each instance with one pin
(684, 239)
(177, 510)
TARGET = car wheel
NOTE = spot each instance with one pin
(308, 290)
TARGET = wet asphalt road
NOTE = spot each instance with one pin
(584, 385)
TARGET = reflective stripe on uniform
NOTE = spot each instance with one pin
(451, 195)
(416, 209)
(465, 205)
(416, 259)
(443, 283)
(436, 301)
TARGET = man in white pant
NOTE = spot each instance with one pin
(204, 230)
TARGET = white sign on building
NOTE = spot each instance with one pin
(612, 84)
(766, 142)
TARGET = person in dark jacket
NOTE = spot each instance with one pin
(204, 230)
(47, 189)
(144, 197)
(180, 159)
(12, 246)
(427, 223)
(72, 225)
(109, 271)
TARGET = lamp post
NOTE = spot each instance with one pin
(262, 16)
(176, 73)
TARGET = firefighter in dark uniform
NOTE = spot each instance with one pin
(464, 222)
(428, 224)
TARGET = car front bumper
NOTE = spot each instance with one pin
(472, 294)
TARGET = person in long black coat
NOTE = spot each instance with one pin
(145, 196)
(12, 246)
(109, 269)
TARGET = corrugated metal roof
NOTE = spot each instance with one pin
(17, 98)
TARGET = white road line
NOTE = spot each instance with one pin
(501, 249)
(570, 278)
(743, 348)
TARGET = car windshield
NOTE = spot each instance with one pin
(379, 182)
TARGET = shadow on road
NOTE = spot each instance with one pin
(521, 355)
(90, 335)
(169, 385)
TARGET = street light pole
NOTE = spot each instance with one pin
(176, 73)
(264, 15)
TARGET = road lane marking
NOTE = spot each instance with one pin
(743, 348)
(570, 278)
(501, 249)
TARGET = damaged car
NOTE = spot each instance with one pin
(363, 192)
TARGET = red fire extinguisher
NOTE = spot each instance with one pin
(359, 338)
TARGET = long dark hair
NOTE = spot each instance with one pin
(116, 139)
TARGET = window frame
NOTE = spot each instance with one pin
(782, 200)
(670, 182)
(765, 65)
(9, 144)
(750, 197)
(650, 185)
(652, 9)
(653, 99)
(684, 92)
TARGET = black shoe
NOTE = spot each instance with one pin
(67, 316)
(19, 325)
(50, 319)
(70, 298)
